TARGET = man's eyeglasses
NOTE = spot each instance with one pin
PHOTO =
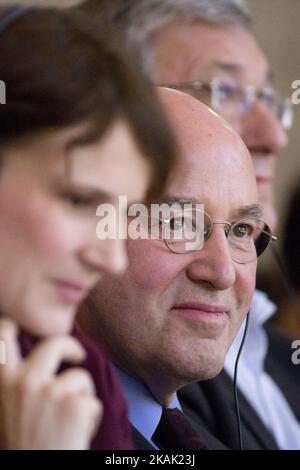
(188, 230)
(230, 99)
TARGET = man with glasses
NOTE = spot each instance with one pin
(206, 48)
(172, 317)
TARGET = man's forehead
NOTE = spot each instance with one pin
(237, 70)
(236, 54)
(210, 153)
(202, 48)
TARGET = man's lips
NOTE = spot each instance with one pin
(208, 313)
(71, 293)
(264, 166)
(264, 179)
(202, 307)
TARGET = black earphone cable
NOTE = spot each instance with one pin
(235, 387)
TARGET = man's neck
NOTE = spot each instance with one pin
(161, 387)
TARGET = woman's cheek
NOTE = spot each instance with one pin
(47, 230)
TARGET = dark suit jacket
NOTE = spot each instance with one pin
(212, 402)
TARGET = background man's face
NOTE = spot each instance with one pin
(154, 317)
(187, 52)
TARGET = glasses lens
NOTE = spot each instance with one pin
(229, 98)
(186, 231)
(281, 108)
(263, 239)
(248, 239)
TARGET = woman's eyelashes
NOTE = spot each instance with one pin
(76, 199)
(83, 199)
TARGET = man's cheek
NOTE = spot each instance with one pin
(248, 280)
(153, 276)
(151, 266)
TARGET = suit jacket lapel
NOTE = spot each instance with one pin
(280, 367)
(217, 396)
(140, 442)
(207, 437)
(250, 419)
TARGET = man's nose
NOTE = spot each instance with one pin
(105, 256)
(213, 264)
(262, 130)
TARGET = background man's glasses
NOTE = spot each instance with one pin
(230, 99)
(182, 233)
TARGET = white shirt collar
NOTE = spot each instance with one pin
(256, 343)
(261, 310)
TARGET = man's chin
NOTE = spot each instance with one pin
(211, 367)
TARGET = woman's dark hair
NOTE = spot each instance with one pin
(291, 235)
(61, 68)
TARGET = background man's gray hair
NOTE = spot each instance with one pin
(140, 19)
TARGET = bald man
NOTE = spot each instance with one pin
(172, 317)
(207, 49)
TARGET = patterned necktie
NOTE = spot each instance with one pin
(174, 432)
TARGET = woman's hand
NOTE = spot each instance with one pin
(41, 410)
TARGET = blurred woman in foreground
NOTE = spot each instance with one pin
(80, 127)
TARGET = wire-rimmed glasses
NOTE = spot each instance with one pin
(229, 98)
(188, 230)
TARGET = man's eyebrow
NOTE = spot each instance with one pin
(230, 67)
(236, 69)
(254, 210)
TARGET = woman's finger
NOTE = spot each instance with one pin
(47, 356)
(8, 337)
